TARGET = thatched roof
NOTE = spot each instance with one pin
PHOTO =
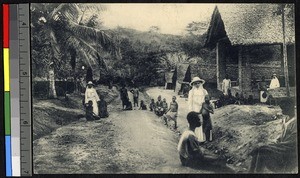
(169, 77)
(249, 24)
(181, 70)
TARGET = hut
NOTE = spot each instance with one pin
(169, 80)
(182, 74)
(248, 40)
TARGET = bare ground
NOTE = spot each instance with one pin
(237, 129)
(137, 141)
(127, 142)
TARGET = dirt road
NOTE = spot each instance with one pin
(127, 142)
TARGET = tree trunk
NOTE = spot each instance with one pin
(286, 72)
(52, 91)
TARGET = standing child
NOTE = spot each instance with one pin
(103, 107)
(135, 92)
(165, 105)
(152, 105)
(142, 106)
(207, 108)
(172, 112)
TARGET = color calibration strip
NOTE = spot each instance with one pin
(25, 90)
(14, 89)
(7, 119)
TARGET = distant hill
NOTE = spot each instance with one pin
(166, 42)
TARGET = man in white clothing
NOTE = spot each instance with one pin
(226, 85)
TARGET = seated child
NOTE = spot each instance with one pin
(159, 110)
(152, 105)
(172, 112)
(103, 107)
(89, 114)
(206, 109)
(142, 106)
(128, 105)
(165, 105)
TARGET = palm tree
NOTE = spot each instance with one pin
(60, 22)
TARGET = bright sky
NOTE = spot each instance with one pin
(170, 18)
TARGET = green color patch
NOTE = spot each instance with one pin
(7, 113)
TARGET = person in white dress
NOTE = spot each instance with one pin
(91, 95)
(226, 85)
(195, 100)
(274, 82)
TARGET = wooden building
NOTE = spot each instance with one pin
(248, 40)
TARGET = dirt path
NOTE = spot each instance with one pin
(127, 142)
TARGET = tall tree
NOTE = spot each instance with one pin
(60, 23)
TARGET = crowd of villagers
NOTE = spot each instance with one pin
(277, 157)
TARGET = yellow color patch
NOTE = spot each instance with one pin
(6, 69)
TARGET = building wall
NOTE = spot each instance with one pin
(208, 71)
(204, 71)
(265, 60)
(257, 71)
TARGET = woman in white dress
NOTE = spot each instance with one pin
(195, 100)
(91, 95)
(274, 82)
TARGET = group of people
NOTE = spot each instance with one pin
(276, 157)
(279, 156)
(200, 128)
(264, 87)
(160, 108)
(126, 103)
(95, 106)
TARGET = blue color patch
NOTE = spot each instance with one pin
(8, 155)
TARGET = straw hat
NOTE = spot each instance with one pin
(197, 79)
(274, 74)
(90, 83)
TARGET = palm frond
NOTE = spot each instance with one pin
(99, 36)
(91, 56)
(80, 45)
(68, 11)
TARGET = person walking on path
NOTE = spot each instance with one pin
(135, 92)
(195, 101)
(226, 85)
(92, 95)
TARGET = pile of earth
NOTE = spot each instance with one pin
(238, 129)
(50, 114)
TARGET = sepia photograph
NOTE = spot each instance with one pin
(153, 88)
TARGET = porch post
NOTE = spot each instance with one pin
(221, 65)
(244, 67)
(240, 67)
